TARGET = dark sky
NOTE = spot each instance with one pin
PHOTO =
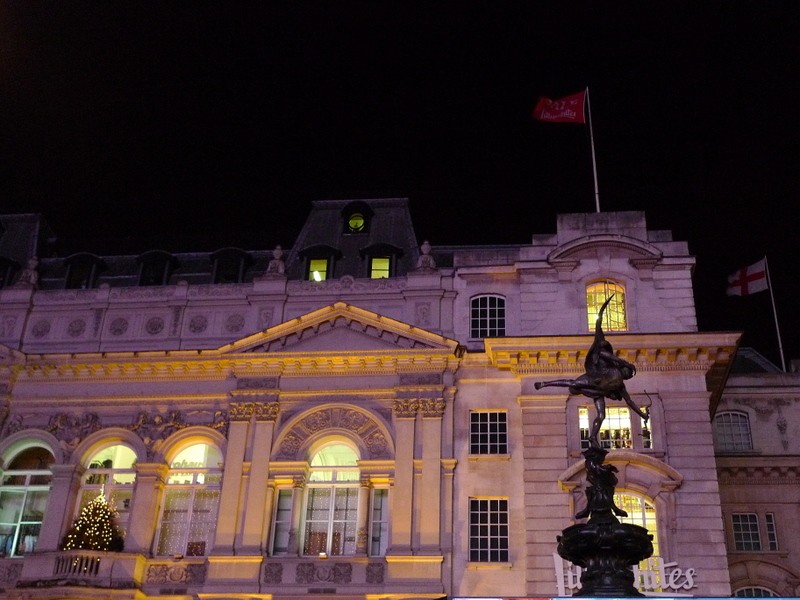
(192, 126)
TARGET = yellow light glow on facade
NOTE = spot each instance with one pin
(614, 317)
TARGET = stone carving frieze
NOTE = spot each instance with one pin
(71, 429)
(406, 408)
(218, 291)
(375, 573)
(9, 573)
(345, 284)
(152, 428)
(338, 573)
(57, 297)
(358, 422)
(145, 293)
(188, 573)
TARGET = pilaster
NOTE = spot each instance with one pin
(60, 506)
(145, 509)
(405, 414)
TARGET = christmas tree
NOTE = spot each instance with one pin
(95, 529)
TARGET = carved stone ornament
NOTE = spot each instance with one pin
(118, 326)
(266, 411)
(432, 407)
(337, 573)
(198, 324)
(406, 408)
(41, 328)
(154, 325)
(71, 429)
(9, 573)
(152, 428)
(76, 328)
(176, 573)
(241, 411)
(273, 573)
(375, 573)
(234, 323)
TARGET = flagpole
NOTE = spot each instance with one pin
(594, 160)
(775, 314)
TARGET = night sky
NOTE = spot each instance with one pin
(193, 126)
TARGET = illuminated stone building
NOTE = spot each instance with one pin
(354, 415)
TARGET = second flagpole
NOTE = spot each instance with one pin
(594, 160)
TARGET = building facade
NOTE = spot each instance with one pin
(356, 415)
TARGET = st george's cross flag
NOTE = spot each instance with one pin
(569, 109)
(748, 280)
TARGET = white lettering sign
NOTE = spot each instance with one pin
(658, 578)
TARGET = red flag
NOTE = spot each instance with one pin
(564, 110)
(748, 280)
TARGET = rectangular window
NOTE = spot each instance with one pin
(317, 269)
(615, 433)
(380, 267)
(188, 521)
(772, 531)
(379, 523)
(331, 521)
(488, 529)
(283, 522)
(745, 532)
(488, 432)
(487, 317)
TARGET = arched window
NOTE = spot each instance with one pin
(82, 271)
(754, 592)
(110, 472)
(332, 502)
(357, 217)
(487, 316)
(640, 512)
(23, 499)
(614, 317)
(191, 499)
(732, 432)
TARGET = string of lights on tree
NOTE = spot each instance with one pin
(95, 528)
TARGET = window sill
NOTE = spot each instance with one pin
(488, 457)
(761, 553)
(476, 566)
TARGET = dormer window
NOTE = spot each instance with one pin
(82, 271)
(155, 267)
(357, 217)
(381, 260)
(320, 261)
(8, 269)
(230, 265)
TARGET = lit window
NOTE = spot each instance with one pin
(189, 512)
(746, 537)
(356, 222)
(640, 512)
(357, 216)
(330, 515)
(488, 432)
(488, 529)
(23, 499)
(614, 318)
(754, 592)
(617, 431)
(732, 432)
(111, 473)
(487, 317)
(379, 267)
(317, 269)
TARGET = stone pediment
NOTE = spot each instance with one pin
(341, 328)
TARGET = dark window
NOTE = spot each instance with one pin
(488, 432)
(155, 267)
(487, 316)
(8, 269)
(82, 271)
(488, 530)
(229, 265)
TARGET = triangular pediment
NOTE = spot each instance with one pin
(341, 328)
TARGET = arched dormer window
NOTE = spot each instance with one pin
(155, 267)
(732, 432)
(110, 472)
(23, 499)
(229, 265)
(320, 262)
(614, 317)
(381, 260)
(357, 217)
(487, 316)
(82, 271)
(191, 499)
(8, 269)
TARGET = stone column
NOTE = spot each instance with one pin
(239, 414)
(362, 526)
(60, 506)
(405, 414)
(298, 485)
(432, 410)
(147, 494)
(256, 522)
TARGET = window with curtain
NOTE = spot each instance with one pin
(110, 472)
(23, 498)
(191, 498)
